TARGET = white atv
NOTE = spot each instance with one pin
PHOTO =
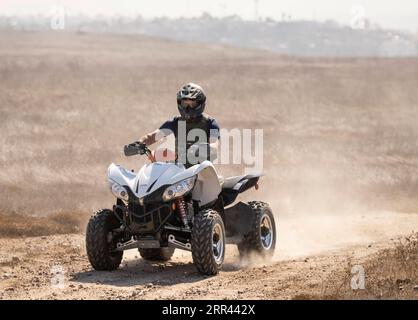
(166, 206)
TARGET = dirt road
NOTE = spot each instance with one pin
(311, 254)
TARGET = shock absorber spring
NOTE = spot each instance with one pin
(181, 205)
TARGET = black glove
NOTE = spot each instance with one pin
(135, 148)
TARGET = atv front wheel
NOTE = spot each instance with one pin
(100, 241)
(158, 254)
(208, 242)
(261, 239)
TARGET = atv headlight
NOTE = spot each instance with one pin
(178, 189)
(118, 191)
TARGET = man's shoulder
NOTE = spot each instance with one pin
(208, 118)
(170, 123)
(211, 120)
(175, 118)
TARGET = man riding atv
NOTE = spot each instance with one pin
(180, 203)
(191, 102)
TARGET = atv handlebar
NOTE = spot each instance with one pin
(140, 148)
(135, 148)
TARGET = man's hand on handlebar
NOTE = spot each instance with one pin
(135, 148)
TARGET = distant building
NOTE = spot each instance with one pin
(397, 46)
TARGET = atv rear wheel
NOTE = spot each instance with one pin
(158, 254)
(261, 239)
(100, 241)
(208, 242)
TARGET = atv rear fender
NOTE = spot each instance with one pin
(238, 221)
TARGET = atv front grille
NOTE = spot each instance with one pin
(137, 213)
(148, 217)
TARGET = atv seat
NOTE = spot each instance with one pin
(230, 182)
(232, 186)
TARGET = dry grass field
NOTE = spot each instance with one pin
(337, 132)
(340, 135)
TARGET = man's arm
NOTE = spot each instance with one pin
(152, 137)
(166, 129)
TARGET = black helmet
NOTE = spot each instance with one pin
(191, 91)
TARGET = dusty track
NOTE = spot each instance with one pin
(311, 255)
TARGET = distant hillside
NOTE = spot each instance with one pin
(300, 38)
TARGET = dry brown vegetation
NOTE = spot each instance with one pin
(339, 133)
(18, 225)
(390, 273)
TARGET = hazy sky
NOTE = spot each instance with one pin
(399, 14)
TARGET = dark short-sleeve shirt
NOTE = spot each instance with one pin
(213, 126)
(206, 123)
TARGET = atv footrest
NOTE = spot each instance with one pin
(173, 242)
(135, 244)
(148, 244)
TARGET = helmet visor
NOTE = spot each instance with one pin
(188, 103)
